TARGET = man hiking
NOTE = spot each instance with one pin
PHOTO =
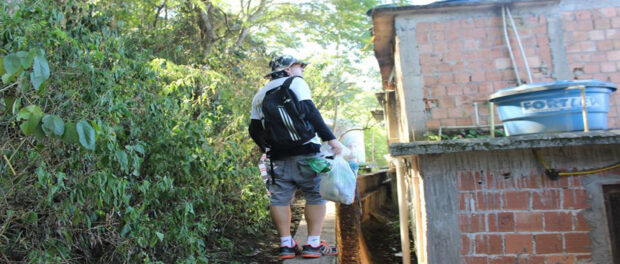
(285, 124)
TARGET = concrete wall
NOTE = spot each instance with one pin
(445, 62)
(499, 207)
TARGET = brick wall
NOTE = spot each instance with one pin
(529, 219)
(464, 61)
(592, 40)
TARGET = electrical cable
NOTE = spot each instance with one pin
(553, 174)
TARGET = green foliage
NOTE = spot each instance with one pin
(124, 127)
(163, 172)
(464, 133)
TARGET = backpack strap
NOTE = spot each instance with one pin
(287, 84)
(286, 97)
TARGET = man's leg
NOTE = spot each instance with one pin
(281, 216)
(315, 215)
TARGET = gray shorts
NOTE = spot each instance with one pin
(292, 173)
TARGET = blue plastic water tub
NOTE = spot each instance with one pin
(553, 106)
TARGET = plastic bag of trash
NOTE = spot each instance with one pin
(339, 183)
(319, 165)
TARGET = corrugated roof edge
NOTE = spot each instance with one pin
(447, 3)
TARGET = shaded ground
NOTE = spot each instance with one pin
(264, 248)
(382, 236)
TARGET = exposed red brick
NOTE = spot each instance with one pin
(437, 26)
(518, 243)
(501, 222)
(493, 76)
(433, 124)
(583, 15)
(558, 221)
(529, 221)
(560, 259)
(608, 67)
(575, 199)
(438, 90)
(548, 243)
(577, 243)
(487, 200)
(439, 113)
(471, 223)
(603, 23)
(503, 260)
(608, 12)
(568, 16)
(532, 181)
(532, 259)
(615, 22)
(612, 34)
(466, 181)
(592, 68)
(613, 55)
(465, 245)
(475, 260)
(585, 25)
(562, 182)
(464, 204)
(489, 244)
(546, 199)
(515, 200)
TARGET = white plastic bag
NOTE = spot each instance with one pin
(339, 183)
(326, 150)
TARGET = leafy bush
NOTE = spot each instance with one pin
(112, 155)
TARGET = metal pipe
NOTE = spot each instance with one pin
(492, 121)
(512, 56)
(476, 113)
(584, 111)
(514, 29)
(403, 211)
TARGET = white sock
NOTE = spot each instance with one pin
(314, 241)
(286, 241)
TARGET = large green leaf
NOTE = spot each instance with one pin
(12, 65)
(70, 136)
(26, 112)
(32, 115)
(40, 72)
(25, 58)
(53, 125)
(86, 134)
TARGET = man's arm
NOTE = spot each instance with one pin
(257, 133)
(314, 117)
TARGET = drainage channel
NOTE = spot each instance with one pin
(366, 231)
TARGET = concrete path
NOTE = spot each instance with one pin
(328, 234)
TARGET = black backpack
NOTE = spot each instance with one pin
(284, 121)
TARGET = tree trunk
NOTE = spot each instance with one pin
(207, 31)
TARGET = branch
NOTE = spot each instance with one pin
(159, 8)
(251, 18)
